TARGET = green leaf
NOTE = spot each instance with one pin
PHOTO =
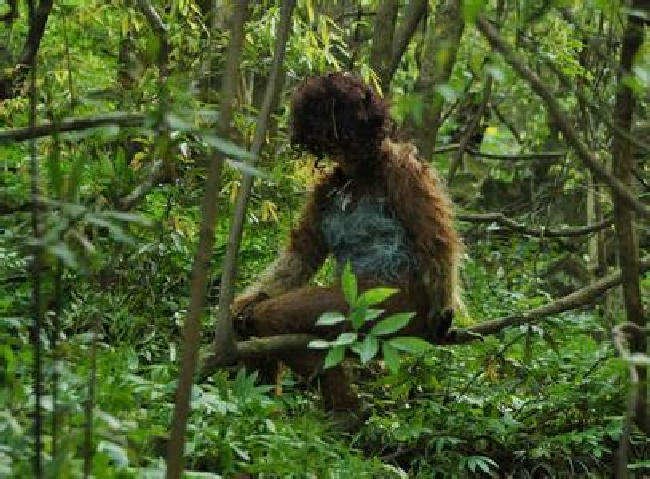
(334, 356)
(391, 357)
(372, 314)
(330, 318)
(392, 323)
(375, 296)
(471, 9)
(369, 348)
(358, 317)
(116, 452)
(344, 339)
(349, 285)
(410, 344)
(319, 344)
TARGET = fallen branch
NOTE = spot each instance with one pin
(274, 345)
(541, 232)
(48, 128)
(588, 158)
(574, 300)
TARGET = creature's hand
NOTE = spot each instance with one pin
(441, 322)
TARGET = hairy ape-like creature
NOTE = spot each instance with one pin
(380, 209)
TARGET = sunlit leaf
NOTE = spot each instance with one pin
(391, 324)
(334, 357)
(330, 318)
(369, 348)
(410, 344)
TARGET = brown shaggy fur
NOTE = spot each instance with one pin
(339, 115)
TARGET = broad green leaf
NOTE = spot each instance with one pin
(391, 357)
(369, 348)
(410, 344)
(330, 318)
(372, 314)
(375, 296)
(392, 323)
(334, 356)
(349, 285)
(358, 317)
(319, 344)
(344, 339)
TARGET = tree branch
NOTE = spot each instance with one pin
(501, 156)
(34, 36)
(542, 232)
(272, 345)
(589, 159)
(48, 128)
(403, 34)
(573, 300)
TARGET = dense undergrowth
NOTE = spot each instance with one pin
(546, 400)
(531, 402)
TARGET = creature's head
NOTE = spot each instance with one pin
(340, 116)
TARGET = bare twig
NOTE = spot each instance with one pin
(473, 126)
(48, 128)
(517, 156)
(542, 232)
(501, 156)
(588, 158)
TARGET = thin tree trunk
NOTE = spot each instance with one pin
(441, 41)
(204, 252)
(382, 41)
(10, 82)
(623, 165)
(37, 260)
(224, 345)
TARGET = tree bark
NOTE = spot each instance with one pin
(224, 345)
(623, 164)
(417, 9)
(10, 82)
(192, 329)
(441, 41)
(382, 42)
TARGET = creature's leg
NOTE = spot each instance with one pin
(297, 312)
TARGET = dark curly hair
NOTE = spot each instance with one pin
(338, 113)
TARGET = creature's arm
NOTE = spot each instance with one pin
(421, 203)
(297, 263)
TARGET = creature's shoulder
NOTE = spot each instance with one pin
(399, 154)
(401, 162)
